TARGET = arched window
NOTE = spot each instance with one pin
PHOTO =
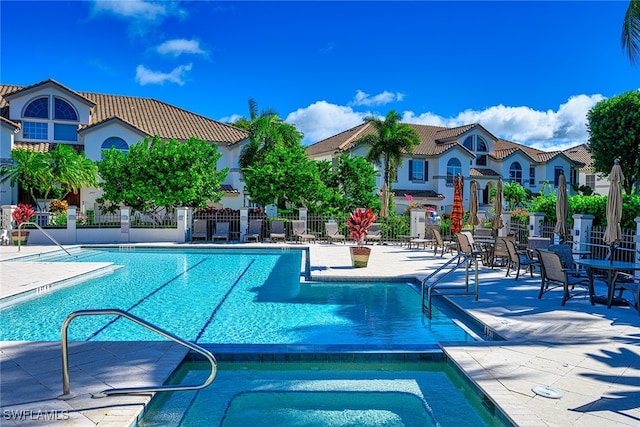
(454, 167)
(64, 111)
(115, 142)
(515, 173)
(38, 108)
(481, 144)
(468, 143)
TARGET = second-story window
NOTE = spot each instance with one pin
(454, 167)
(515, 173)
(418, 170)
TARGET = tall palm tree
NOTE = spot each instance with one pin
(387, 146)
(631, 31)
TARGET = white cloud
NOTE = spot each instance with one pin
(138, 9)
(321, 120)
(145, 76)
(230, 119)
(178, 47)
(383, 98)
(547, 130)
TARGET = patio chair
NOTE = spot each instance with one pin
(277, 231)
(255, 231)
(479, 251)
(500, 256)
(300, 232)
(199, 230)
(519, 259)
(222, 232)
(465, 247)
(627, 282)
(440, 243)
(332, 233)
(374, 234)
(566, 257)
(555, 274)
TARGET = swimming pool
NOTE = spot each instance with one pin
(231, 297)
(323, 394)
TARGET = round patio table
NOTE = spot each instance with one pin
(611, 267)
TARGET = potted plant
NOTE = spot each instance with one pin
(22, 213)
(358, 223)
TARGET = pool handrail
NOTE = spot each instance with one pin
(66, 391)
(43, 232)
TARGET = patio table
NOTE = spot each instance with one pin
(611, 268)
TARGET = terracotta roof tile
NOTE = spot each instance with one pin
(428, 194)
(228, 188)
(580, 153)
(483, 172)
(44, 147)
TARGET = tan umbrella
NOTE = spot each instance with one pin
(384, 211)
(496, 221)
(562, 208)
(473, 204)
(458, 210)
(613, 233)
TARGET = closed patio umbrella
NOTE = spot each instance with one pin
(562, 208)
(496, 221)
(473, 204)
(458, 210)
(613, 233)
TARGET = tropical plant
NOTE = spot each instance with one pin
(390, 142)
(22, 213)
(358, 223)
(631, 31)
(514, 194)
(614, 133)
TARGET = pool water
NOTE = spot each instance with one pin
(230, 297)
(322, 394)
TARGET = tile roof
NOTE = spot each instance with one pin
(228, 188)
(150, 116)
(483, 172)
(428, 194)
(580, 153)
(44, 147)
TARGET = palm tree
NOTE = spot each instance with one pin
(631, 31)
(388, 145)
(30, 169)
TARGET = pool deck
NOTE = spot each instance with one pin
(589, 353)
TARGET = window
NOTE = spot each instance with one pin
(64, 111)
(418, 170)
(63, 132)
(515, 173)
(115, 142)
(35, 130)
(37, 109)
(532, 176)
(454, 167)
(481, 144)
(468, 143)
(481, 160)
(556, 174)
(574, 176)
(591, 181)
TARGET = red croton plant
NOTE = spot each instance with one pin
(359, 222)
(22, 213)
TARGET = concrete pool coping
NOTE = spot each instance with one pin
(589, 353)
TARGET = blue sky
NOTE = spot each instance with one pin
(527, 71)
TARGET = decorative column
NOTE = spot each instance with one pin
(125, 221)
(582, 224)
(72, 235)
(535, 224)
(506, 220)
(183, 219)
(244, 222)
(637, 220)
(417, 225)
(5, 239)
(302, 215)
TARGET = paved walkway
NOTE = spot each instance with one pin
(590, 353)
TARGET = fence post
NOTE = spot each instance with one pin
(5, 221)
(244, 222)
(506, 220)
(125, 221)
(637, 220)
(535, 224)
(183, 222)
(72, 233)
(582, 223)
(302, 215)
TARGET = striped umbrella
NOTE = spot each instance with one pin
(473, 204)
(458, 210)
(496, 221)
(613, 233)
(562, 208)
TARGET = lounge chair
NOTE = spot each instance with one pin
(440, 243)
(332, 233)
(300, 232)
(277, 231)
(222, 232)
(374, 233)
(554, 273)
(518, 259)
(255, 231)
(199, 230)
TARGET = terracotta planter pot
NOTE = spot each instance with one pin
(24, 236)
(360, 256)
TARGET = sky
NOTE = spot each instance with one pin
(527, 71)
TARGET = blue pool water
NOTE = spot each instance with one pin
(322, 394)
(229, 297)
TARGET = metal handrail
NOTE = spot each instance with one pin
(43, 232)
(457, 260)
(66, 392)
